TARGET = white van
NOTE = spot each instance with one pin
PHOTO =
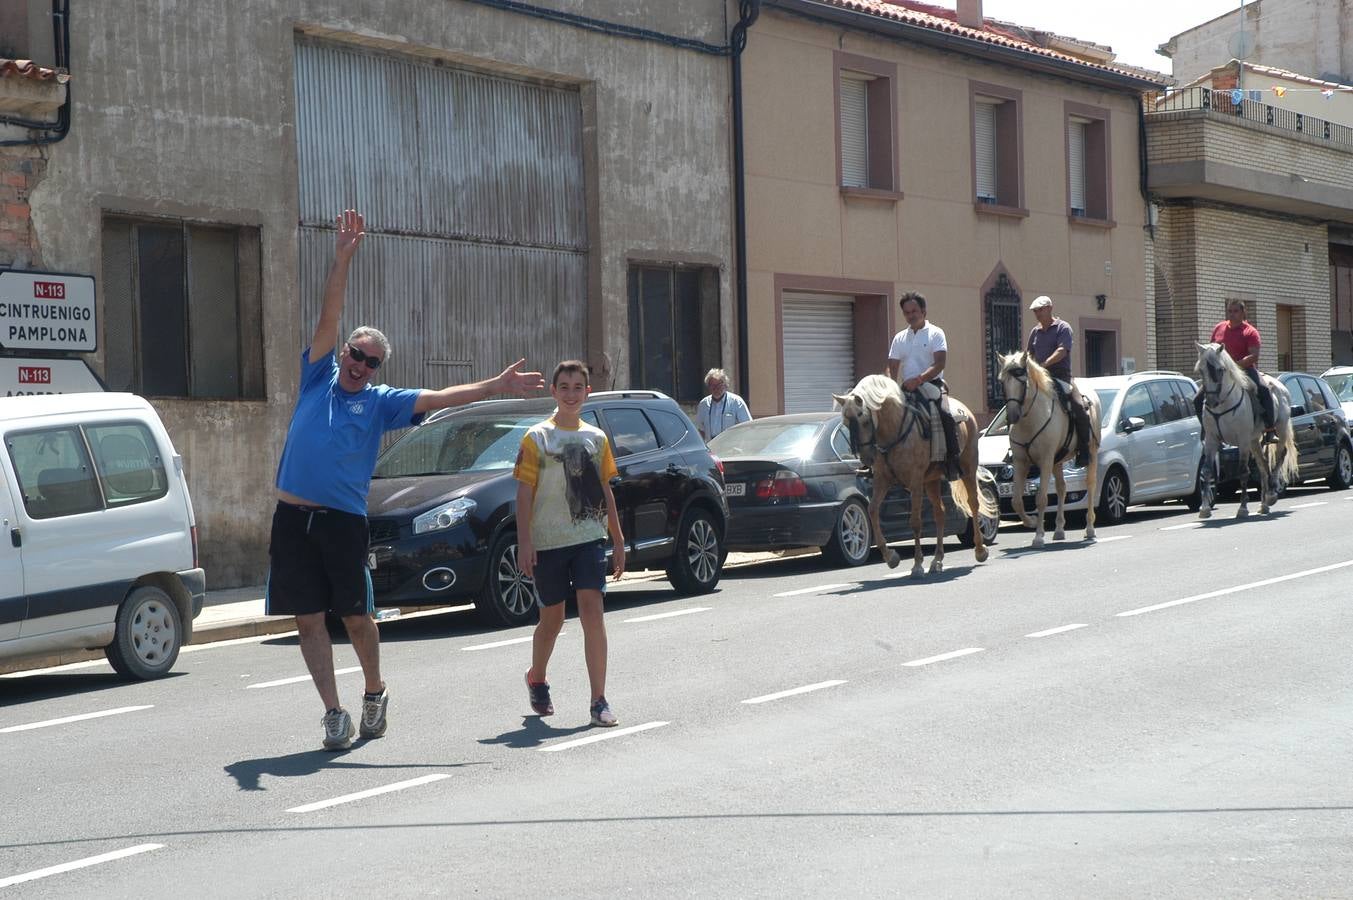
(99, 544)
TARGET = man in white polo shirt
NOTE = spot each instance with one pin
(916, 359)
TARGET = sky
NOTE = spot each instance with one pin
(1134, 30)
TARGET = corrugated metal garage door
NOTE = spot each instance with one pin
(819, 350)
(473, 191)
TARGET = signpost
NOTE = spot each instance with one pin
(47, 311)
(21, 377)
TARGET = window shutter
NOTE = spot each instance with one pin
(854, 131)
(1076, 165)
(984, 147)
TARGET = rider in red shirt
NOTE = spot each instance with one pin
(1242, 341)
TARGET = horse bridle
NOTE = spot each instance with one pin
(1021, 374)
(881, 451)
(1209, 393)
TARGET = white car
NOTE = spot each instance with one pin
(1150, 447)
(1340, 380)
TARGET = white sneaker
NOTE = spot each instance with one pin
(373, 714)
(338, 729)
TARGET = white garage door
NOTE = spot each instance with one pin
(819, 350)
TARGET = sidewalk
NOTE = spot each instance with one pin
(232, 613)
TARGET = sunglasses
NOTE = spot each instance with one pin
(372, 362)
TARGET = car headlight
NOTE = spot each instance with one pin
(440, 518)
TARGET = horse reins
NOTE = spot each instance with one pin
(1022, 376)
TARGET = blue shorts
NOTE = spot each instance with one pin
(563, 571)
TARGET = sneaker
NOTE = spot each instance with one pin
(539, 692)
(601, 713)
(338, 729)
(373, 713)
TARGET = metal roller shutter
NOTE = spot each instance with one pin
(854, 131)
(1076, 165)
(984, 132)
(819, 350)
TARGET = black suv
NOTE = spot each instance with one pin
(443, 514)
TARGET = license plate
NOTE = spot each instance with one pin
(1005, 489)
(736, 489)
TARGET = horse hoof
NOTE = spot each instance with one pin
(936, 568)
(917, 571)
(893, 560)
(1204, 513)
(1089, 534)
(981, 554)
(1059, 535)
(1038, 542)
(1242, 513)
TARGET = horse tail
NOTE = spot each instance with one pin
(1288, 450)
(986, 506)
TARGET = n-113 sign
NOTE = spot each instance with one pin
(47, 311)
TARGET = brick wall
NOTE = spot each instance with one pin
(20, 171)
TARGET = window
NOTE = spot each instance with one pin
(674, 329)
(1002, 313)
(866, 150)
(54, 472)
(1138, 404)
(1087, 164)
(129, 461)
(1169, 405)
(182, 309)
(671, 427)
(841, 443)
(997, 149)
(631, 432)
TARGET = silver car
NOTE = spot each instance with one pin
(1340, 380)
(1150, 447)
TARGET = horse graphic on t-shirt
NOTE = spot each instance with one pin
(582, 482)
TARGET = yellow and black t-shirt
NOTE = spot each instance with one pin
(567, 467)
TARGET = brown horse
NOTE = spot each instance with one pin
(886, 430)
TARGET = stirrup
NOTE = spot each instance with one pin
(1271, 436)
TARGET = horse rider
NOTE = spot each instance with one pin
(1050, 345)
(1242, 341)
(917, 355)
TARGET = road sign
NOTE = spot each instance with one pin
(20, 377)
(47, 311)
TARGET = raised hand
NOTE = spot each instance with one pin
(350, 234)
(515, 381)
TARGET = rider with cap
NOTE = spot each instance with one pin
(1050, 345)
(917, 355)
(1242, 342)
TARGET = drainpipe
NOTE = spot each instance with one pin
(57, 130)
(748, 10)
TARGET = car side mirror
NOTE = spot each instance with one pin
(615, 482)
(1298, 410)
(1133, 423)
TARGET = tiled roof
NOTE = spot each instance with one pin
(26, 68)
(999, 34)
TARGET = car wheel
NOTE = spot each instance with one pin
(1114, 498)
(849, 544)
(698, 563)
(1194, 501)
(149, 633)
(991, 525)
(1342, 475)
(508, 597)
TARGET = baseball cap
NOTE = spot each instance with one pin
(1041, 302)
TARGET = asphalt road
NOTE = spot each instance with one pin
(1163, 713)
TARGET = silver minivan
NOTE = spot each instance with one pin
(1150, 446)
(99, 543)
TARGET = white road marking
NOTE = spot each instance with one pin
(792, 691)
(605, 735)
(1116, 537)
(669, 615)
(1309, 505)
(1182, 527)
(812, 590)
(78, 864)
(80, 718)
(298, 679)
(373, 792)
(1238, 588)
(67, 667)
(507, 643)
(943, 656)
(1052, 631)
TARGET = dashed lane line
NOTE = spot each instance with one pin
(1309, 505)
(1238, 588)
(373, 792)
(1051, 631)
(80, 718)
(1186, 525)
(943, 656)
(794, 691)
(507, 643)
(670, 615)
(78, 864)
(812, 590)
(1114, 537)
(606, 735)
(298, 679)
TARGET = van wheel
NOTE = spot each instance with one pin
(1114, 503)
(508, 596)
(849, 544)
(149, 632)
(698, 562)
(1194, 501)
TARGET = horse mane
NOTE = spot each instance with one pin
(877, 391)
(1040, 377)
(1227, 363)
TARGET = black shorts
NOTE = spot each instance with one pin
(564, 571)
(318, 563)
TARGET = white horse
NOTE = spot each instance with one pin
(1042, 434)
(1229, 414)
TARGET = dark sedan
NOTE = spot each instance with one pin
(1320, 430)
(442, 505)
(792, 481)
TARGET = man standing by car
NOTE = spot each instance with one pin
(1242, 342)
(1050, 345)
(319, 531)
(916, 359)
(722, 409)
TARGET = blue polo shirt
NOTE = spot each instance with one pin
(335, 436)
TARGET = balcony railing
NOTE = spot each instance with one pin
(1251, 110)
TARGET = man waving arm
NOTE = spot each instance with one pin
(350, 234)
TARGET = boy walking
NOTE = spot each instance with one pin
(565, 509)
